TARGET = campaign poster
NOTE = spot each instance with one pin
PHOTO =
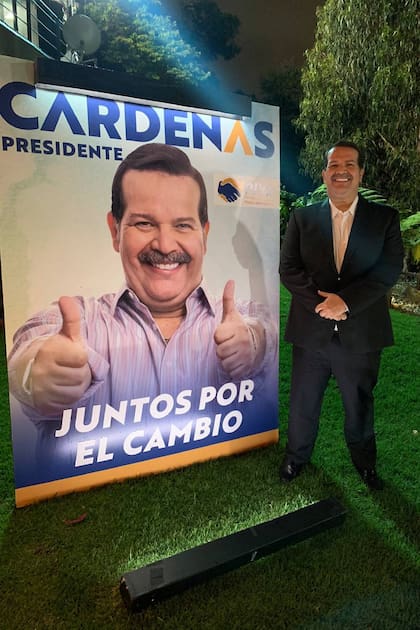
(151, 393)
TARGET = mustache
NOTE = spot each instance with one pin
(340, 175)
(157, 258)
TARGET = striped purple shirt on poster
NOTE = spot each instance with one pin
(129, 358)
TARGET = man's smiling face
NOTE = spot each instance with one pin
(342, 175)
(160, 238)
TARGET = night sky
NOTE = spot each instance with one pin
(273, 33)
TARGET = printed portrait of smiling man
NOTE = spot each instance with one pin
(162, 336)
(161, 238)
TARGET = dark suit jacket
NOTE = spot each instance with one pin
(371, 266)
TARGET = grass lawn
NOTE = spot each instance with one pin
(364, 574)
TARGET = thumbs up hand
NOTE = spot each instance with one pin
(237, 343)
(60, 373)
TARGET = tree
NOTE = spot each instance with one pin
(283, 89)
(145, 37)
(360, 82)
(210, 30)
(137, 37)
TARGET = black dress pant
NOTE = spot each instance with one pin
(356, 375)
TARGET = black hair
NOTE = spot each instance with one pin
(159, 157)
(350, 145)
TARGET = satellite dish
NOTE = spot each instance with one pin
(82, 36)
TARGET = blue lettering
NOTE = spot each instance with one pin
(48, 147)
(22, 145)
(36, 146)
(107, 119)
(107, 151)
(7, 142)
(201, 128)
(131, 123)
(142, 124)
(94, 152)
(68, 148)
(82, 150)
(62, 106)
(7, 94)
(267, 143)
(172, 126)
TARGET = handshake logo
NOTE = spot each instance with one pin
(228, 190)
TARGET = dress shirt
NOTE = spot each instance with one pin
(341, 227)
(128, 356)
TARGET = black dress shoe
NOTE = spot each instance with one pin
(370, 478)
(289, 470)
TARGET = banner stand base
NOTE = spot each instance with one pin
(164, 578)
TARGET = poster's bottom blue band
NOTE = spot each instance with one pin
(38, 492)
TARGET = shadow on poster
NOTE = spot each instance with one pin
(161, 229)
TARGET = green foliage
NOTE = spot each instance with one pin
(139, 37)
(410, 230)
(169, 41)
(361, 83)
(210, 30)
(283, 89)
(287, 202)
(319, 194)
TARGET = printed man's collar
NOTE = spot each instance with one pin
(124, 294)
(201, 293)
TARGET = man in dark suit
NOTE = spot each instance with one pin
(339, 259)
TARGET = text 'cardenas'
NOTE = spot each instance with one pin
(26, 107)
